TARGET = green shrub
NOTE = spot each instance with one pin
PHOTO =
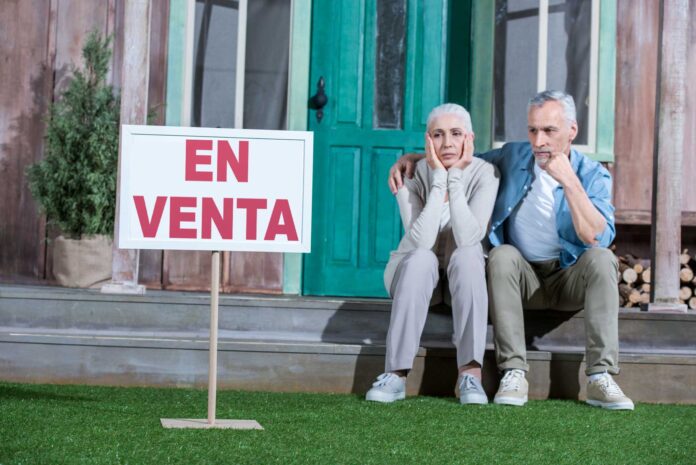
(75, 183)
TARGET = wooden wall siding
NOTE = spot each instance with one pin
(75, 19)
(636, 77)
(688, 184)
(40, 41)
(25, 90)
(114, 28)
(255, 272)
(637, 47)
(186, 270)
(159, 32)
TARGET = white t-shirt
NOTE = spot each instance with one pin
(532, 227)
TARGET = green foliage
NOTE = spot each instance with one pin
(75, 183)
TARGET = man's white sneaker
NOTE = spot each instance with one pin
(388, 388)
(604, 392)
(513, 389)
(469, 390)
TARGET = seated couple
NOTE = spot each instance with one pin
(542, 211)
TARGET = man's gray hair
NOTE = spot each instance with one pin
(451, 109)
(555, 96)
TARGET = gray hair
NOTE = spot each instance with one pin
(566, 100)
(451, 109)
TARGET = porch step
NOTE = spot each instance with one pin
(302, 344)
(324, 319)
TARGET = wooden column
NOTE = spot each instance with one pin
(668, 155)
(134, 86)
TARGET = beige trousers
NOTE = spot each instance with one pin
(412, 289)
(515, 285)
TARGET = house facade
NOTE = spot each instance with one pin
(383, 64)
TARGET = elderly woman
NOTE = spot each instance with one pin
(445, 210)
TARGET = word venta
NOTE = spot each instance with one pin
(188, 209)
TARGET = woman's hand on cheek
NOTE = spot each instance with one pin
(467, 155)
(430, 155)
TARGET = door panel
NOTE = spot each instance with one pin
(355, 219)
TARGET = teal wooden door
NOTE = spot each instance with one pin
(383, 63)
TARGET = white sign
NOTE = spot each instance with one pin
(215, 189)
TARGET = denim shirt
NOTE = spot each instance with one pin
(515, 161)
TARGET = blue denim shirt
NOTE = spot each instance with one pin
(515, 161)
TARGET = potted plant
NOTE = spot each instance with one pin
(75, 182)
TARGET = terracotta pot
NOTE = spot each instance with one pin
(82, 263)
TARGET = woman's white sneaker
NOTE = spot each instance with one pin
(389, 387)
(470, 391)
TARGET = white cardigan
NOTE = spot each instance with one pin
(472, 193)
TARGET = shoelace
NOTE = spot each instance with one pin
(608, 386)
(467, 383)
(511, 381)
(383, 379)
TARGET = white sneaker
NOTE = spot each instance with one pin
(604, 392)
(388, 388)
(470, 391)
(513, 389)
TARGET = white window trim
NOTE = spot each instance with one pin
(239, 73)
(591, 145)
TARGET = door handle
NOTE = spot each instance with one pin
(319, 100)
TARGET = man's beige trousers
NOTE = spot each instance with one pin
(515, 285)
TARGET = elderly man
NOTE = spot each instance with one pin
(550, 229)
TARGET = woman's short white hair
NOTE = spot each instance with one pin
(451, 109)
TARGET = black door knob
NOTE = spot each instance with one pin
(319, 100)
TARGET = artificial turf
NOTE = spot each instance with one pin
(48, 424)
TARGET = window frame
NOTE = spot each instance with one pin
(601, 130)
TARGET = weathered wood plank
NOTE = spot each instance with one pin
(667, 171)
(186, 270)
(134, 81)
(255, 272)
(636, 78)
(159, 33)
(639, 217)
(74, 21)
(114, 28)
(25, 91)
(689, 162)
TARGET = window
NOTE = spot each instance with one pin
(535, 45)
(231, 74)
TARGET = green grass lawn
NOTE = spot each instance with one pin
(46, 424)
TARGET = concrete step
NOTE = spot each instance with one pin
(304, 344)
(308, 366)
(323, 319)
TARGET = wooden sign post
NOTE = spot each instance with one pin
(212, 422)
(184, 188)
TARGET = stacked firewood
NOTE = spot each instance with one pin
(635, 279)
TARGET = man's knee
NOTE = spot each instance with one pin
(600, 261)
(502, 260)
